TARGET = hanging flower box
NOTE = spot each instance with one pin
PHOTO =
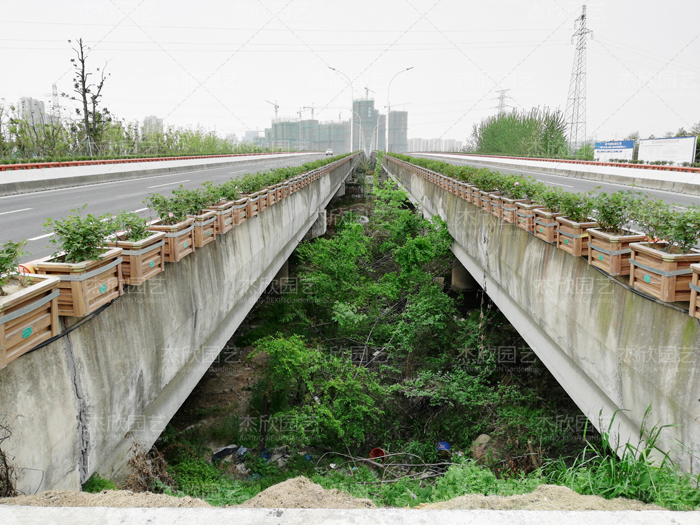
(464, 190)
(204, 229)
(470, 193)
(141, 259)
(239, 210)
(282, 190)
(572, 236)
(611, 252)
(546, 225)
(87, 285)
(496, 204)
(224, 217)
(510, 208)
(476, 197)
(525, 216)
(28, 316)
(666, 276)
(694, 289)
(179, 239)
(252, 207)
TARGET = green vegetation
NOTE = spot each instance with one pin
(10, 254)
(79, 238)
(183, 202)
(537, 133)
(678, 230)
(130, 227)
(97, 484)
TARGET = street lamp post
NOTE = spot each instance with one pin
(388, 104)
(352, 104)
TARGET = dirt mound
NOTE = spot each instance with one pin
(544, 497)
(106, 498)
(301, 493)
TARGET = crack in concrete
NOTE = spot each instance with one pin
(82, 425)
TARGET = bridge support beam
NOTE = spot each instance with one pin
(319, 227)
(462, 279)
(340, 192)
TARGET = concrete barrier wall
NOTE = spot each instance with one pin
(34, 180)
(609, 347)
(78, 405)
(676, 182)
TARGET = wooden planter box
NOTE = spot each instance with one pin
(141, 259)
(546, 225)
(87, 285)
(204, 229)
(510, 208)
(496, 205)
(224, 217)
(179, 239)
(28, 317)
(282, 191)
(694, 289)
(486, 200)
(611, 253)
(572, 236)
(476, 197)
(666, 276)
(525, 215)
(252, 207)
(464, 190)
(240, 211)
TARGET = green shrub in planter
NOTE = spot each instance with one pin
(193, 201)
(170, 210)
(613, 211)
(576, 206)
(130, 227)
(654, 218)
(684, 229)
(81, 238)
(230, 190)
(550, 198)
(10, 254)
(211, 193)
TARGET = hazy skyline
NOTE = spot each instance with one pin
(215, 63)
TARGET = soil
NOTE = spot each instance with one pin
(544, 497)
(106, 498)
(13, 286)
(302, 493)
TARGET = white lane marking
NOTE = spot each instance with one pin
(41, 237)
(168, 184)
(239, 171)
(15, 211)
(139, 211)
(555, 183)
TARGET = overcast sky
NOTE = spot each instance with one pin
(215, 63)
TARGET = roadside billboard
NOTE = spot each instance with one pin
(618, 149)
(673, 149)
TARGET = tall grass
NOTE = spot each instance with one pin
(535, 133)
(639, 472)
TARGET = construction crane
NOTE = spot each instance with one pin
(367, 90)
(277, 108)
(312, 108)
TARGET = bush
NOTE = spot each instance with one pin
(97, 484)
(10, 254)
(130, 227)
(81, 238)
(613, 211)
(576, 206)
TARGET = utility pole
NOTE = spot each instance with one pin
(576, 102)
(56, 108)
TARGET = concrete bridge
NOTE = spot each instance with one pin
(613, 350)
(79, 404)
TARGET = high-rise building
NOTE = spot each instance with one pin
(152, 124)
(398, 131)
(32, 111)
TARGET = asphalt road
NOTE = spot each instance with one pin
(574, 185)
(22, 216)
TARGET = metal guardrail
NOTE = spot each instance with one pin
(589, 162)
(72, 163)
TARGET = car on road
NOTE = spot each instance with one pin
(329, 152)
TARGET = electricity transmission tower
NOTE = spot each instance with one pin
(576, 102)
(502, 100)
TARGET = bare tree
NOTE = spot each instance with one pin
(88, 95)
